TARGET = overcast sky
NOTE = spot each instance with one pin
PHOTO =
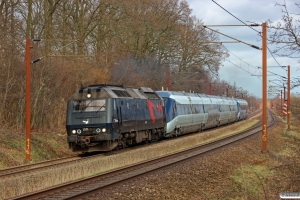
(249, 11)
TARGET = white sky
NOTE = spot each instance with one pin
(248, 11)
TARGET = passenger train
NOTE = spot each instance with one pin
(106, 117)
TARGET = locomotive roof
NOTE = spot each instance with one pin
(114, 91)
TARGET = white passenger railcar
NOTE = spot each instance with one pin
(190, 112)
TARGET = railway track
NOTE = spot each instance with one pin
(8, 172)
(88, 186)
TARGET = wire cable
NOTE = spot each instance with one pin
(251, 28)
(241, 68)
(254, 66)
(236, 17)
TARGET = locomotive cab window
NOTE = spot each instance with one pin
(89, 105)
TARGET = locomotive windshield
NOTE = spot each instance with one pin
(89, 105)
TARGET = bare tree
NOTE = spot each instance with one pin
(286, 34)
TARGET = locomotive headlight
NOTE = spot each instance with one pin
(78, 131)
(88, 95)
(73, 131)
(104, 130)
(98, 130)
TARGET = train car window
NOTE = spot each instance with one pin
(184, 111)
(180, 109)
(206, 108)
(201, 108)
(193, 108)
(188, 109)
(174, 113)
(137, 105)
(176, 108)
(127, 105)
(197, 108)
(192, 111)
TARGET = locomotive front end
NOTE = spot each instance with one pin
(89, 121)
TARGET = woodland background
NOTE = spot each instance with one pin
(130, 42)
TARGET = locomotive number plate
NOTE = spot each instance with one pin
(85, 129)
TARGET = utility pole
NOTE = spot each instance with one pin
(264, 89)
(169, 80)
(289, 99)
(28, 98)
(227, 90)
(281, 102)
(284, 98)
(264, 74)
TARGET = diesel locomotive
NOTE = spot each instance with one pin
(102, 117)
(105, 117)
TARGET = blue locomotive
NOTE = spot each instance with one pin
(103, 117)
(106, 117)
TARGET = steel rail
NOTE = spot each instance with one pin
(23, 168)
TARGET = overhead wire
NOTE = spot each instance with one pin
(254, 66)
(251, 28)
(240, 67)
(236, 17)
